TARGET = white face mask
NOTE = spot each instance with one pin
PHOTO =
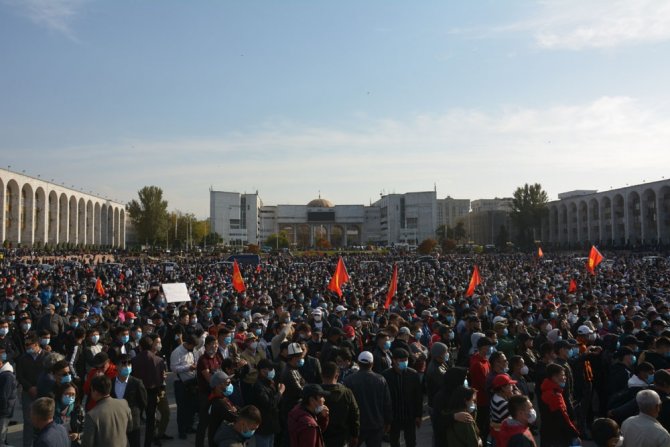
(532, 416)
(619, 442)
(524, 370)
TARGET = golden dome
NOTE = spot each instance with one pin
(320, 203)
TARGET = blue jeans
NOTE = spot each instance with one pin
(264, 440)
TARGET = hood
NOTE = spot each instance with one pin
(336, 392)
(438, 350)
(6, 367)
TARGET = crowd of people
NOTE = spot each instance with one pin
(543, 352)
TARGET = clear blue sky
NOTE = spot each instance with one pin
(349, 98)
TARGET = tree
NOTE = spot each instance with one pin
(441, 233)
(149, 215)
(529, 206)
(459, 231)
(448, 245)
(214, 239)
(426, 246)
(277, 241)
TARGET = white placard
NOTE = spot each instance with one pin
(176, 292)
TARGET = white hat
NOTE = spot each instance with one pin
(365, 357)
(499, 319)
(340, 308)
(404, 330)
(584, 330)
(317, 312)
(294, 349)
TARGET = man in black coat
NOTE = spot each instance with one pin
(407, 399)
(266, 396)
(133, 391)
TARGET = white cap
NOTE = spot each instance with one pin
(365, 357)
(317, 312)
(340, 308)
(404, 330)
(499, 319)
(584, 330)
(294, 349)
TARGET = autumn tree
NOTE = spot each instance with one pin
(426, 246)
(149, 215)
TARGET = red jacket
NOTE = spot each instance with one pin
(479, 369)
(556, 424)
(306, 429)
(511, 428)
(111, 373)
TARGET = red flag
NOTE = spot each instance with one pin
(339, 278)
(393, 287)
(474, 282)
(539, 252)
(572, 288)
(98, 288)
(238, 282)
(595, 258)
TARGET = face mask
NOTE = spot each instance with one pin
(67, 400)
(159, 347)
(403, 365)
(562, 384)
(227, 340)
(258, 332)
(466, 384)
(417, 336)
(4, 331)
(524, 370)
(553, 315)
(505, 332)
(125, 339)
(4, 357)
(318, 409)
(529, 320)
(253, 346)
(30, 350)
(472, 407)
(67, 378)
(532, 416)
(229, 390)
(271, 374)
(301, 363)
(45, 341)
(650, 379)
(11, 317)
(387, 345)
(75, 324)
(248, 434)
(126, 370)
(138, 335)
(450, 319)
(25, 327)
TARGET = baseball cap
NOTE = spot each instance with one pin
(404, 330)
(294, 349)
(584, 330)
(567, 344)
(366, 357)
(500, 319)
(340, 308)
(501, 380)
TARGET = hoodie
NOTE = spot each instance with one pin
(8, 387)
(226, 436)
(344, 415)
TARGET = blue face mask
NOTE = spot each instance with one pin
(417, 335)
(562, 384)
(403, 365)
(301, 363)
(258, 332)
(650, 379)
(271, 374)
(4, 331)
(45, 341)
(125, 339)
(248, 434)
(67, 378)
(138, 335)
(67, 400)
(95, 339)
(387, 345)
(505, 332)
(229, 390)
(126, 370)
(227, 340)
(4, 357)
(75, 324)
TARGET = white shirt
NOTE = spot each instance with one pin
(181, 361)
(120, 388)
(644, 431)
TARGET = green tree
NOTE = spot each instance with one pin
(149, 215)
(529, 206)
(277, 241)
(441, 233)
(214, 239)
(459, 232)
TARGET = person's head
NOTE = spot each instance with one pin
(649, 402)
(330, 372)
(645, 371)
(3, 356)
(663, 346)
(463, 399)
(662, 380)
(100, 387)
(400, 359)
(521, 409)
(67, 394)
(605, 432)
(94, 336)
(313, 398)
(383, 341)
(485, 346)
(61, 372)
(503, 385)
(189, 341)
(221, 383)
(101, 361)
(439, 353)
(45, 338)
(31, 343)
(247, 422)
(211, 345)
(266, 369)
(294, 354)
(517, 365)
(4, 327)
(556, 373)
(124, 365)
(365, 360)
(225, 336)
(42, 412)
(498, 361)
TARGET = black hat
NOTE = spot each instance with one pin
(313, 390)
(400, 353)
(567, 344)
(623, 352)
(629, 340)
(100, 359)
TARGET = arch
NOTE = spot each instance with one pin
(97, 224)
(122, 237)
(81, 221)
(2, 211)
(563, 224)
(53, 218)
(303, 235)
(618, 221)
(117, 227)
(663, 207)
(12, 208)
(583, 233)
(63, 219)
(104, 225)
(41, 215)
(72, 233)
(353, 233)
(573, 223)
(634, 221)
(89, 223)
(606, 220)
(337, 236)
(110, 225)
(27, 217)
(648, 217)
(594, 220)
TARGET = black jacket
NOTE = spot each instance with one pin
(136, 396)
(344, 420)
(373, 399)
(8, 387)
(266, 397)
(28, 369)
(618, 378)
(406, 394)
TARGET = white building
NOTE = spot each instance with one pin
(38, 212)
(450, 210)
(242, 218)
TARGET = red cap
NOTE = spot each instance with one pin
(130, 315)
(349, 331)
(501, 380)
